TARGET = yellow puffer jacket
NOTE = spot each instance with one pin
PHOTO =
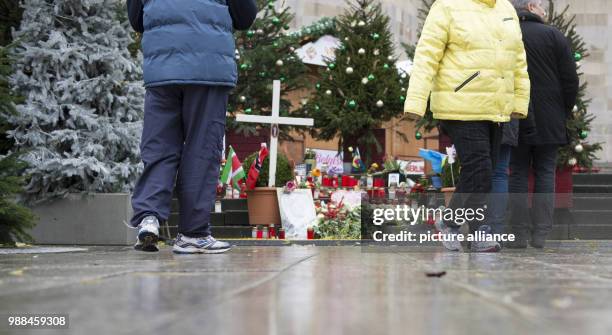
(472, 60)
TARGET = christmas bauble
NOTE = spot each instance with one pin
(578, 148)
(572, 161)
(331, 66)
(390, 58)
(317, 107)
(271, 5)
(275, 20)
(292, 49)
(349, 70)
(371, 77)
(318, 86)
(577, 56)
(282, 79)
(375, 36)
(380, 103)
(275, 44)
(354, 24)
(248, 110)
(361, 51)
(584, 134)
(262, 74)
(237, 56)
(279, 62)
(578, 64)
(364, 80)
(386, 66)
(403, 75)
(286, 27)
(250, 33)
(352, 104)
(242, 98)
(328, 92)
(259, 32)
(575, 109)
(418, 135)
(402, 98)
(361, 23)
(376, 52)
(346, 39)
(244, 66)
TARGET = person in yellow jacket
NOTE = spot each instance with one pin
(470, 62)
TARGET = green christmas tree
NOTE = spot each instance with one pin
(578, 152)
(15, 219)
(361, 88)
(263, 54)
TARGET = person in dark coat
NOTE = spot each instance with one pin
(554, 88)
(189, 69)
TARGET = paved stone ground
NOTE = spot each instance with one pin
(316, 290)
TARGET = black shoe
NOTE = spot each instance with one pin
(520, 242)
(538, 241)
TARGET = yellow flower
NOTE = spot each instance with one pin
(316, 172)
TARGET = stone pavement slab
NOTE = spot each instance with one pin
(316, 290)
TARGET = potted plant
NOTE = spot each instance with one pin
(262, 201)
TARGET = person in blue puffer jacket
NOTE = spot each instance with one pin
(189, 69)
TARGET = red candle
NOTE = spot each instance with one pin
(310, 233)
(259, 233)
(272, 231)
(346, 181)
(326, 181)
(281, 234)
(334, 181)
(379, 182)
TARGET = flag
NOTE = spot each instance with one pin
(256, 167)
(358, 164)
(233, 170)
(434, 157)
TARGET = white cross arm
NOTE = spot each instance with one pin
(293, 121)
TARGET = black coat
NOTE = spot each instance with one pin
(554, 81)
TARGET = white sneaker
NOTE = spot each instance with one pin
(448, 243)
(148, 234)
(199, 245)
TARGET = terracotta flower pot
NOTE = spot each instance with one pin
(263, 206)
(448, 194)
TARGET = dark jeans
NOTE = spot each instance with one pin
(543, 159)
(498, 201)
(182, 140)
(477, 144)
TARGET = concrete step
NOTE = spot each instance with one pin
(234, 205)
(592, 201)
(585, 188)
(236, 218)
(592, 178)
(592, 217)
(590, 232)
(231, 232)
(216, 219)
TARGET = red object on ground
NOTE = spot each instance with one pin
(334, 181)
(325, 181)
(272, 231)
(281, 234)
(310, 233)
(379, 182)
(346, 181)
(259, 233)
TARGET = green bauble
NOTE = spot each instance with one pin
(282, 79)
(402, 98)
(371, 77)
(352, 104)
(244, 66)
(250, 33)
(275, 20)
(271, 5)
(331, 66)
(286, 27)
(375, 36)
(584, 134)
(262, 74)
(248, 110)
(386, 66)
(275, 44)
(418, 135)
(318, 86)
(317, 107)
(577, 56)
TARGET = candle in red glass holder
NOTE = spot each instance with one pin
(310, 233)
(309, 179)
(259, 233)
(346, 181)
(281, 234)
(326, 181)
(379, 182)
(272, 231)
(334, 181)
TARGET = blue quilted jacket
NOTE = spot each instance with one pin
(187, 42)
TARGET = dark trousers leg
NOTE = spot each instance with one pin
(498, 199)
(204, 109)
(544, 165)
(518, 186)
(472, 140)
(160, 149)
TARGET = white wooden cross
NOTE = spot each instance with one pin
(274, 120)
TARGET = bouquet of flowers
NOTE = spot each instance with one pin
(337, 221)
